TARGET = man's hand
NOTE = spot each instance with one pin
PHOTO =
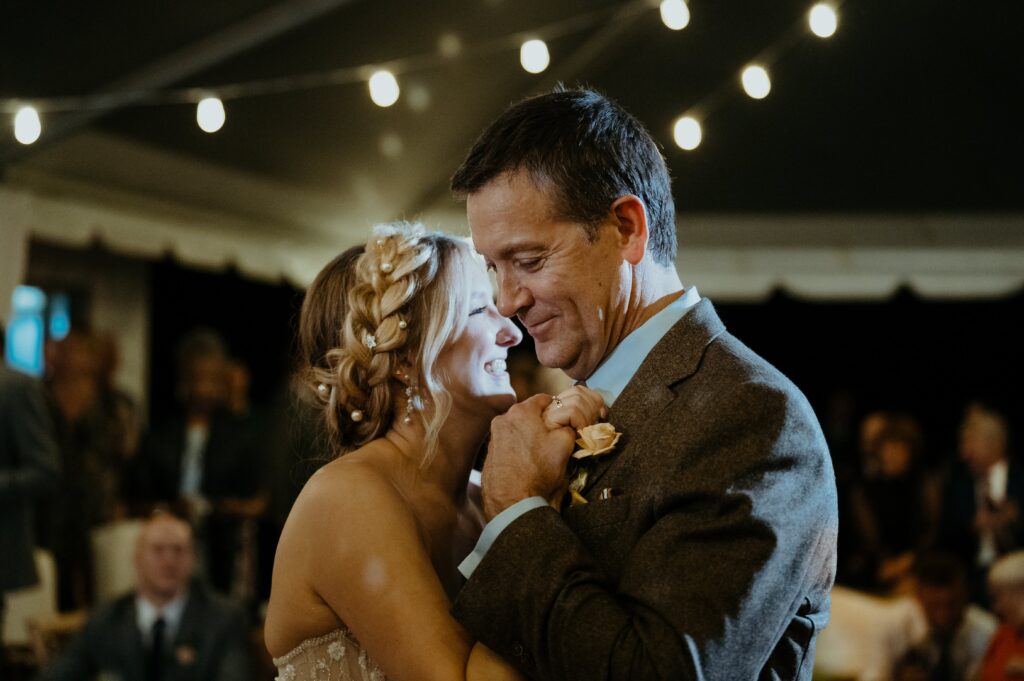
(526, 457)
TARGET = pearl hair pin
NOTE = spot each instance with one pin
(386, 267)
(323, 390)
(356, 415)
(402, 324)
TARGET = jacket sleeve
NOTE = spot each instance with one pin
(707, 590)
(32, 438)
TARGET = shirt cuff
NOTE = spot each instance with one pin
(494, 528)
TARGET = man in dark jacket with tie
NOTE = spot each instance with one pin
(168, 629)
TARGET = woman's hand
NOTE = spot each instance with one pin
(576, 408)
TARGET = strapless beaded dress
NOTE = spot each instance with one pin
(336, 656)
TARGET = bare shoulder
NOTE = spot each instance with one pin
(349, 498)
(347, 511)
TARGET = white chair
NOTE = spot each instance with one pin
(35, 602)
(113, 555)
(863, 633)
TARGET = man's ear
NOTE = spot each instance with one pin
(630, 217)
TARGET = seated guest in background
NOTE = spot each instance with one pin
(937, 633)
(204, 459)
(1005, 657)
(895, 509)
(981, 517)
(169, 628)
(29, 469)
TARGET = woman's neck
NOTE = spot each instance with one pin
(458, 443)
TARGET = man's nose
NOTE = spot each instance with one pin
(512, 297)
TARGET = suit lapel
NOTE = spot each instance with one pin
(187, 646)
(675, 358)
(132, 644)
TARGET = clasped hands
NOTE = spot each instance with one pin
(531, 445)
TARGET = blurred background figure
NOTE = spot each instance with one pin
(1004, 660)
(29, 469)
(896, 506)
(981, 517)
(933, 633)
(238, 379)
(170, 627)
(204, 459)
(115, 403)
(94, 442)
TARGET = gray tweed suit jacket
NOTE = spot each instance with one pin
(714, 553)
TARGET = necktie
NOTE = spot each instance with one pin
(156, 645)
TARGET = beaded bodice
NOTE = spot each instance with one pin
(336, 656)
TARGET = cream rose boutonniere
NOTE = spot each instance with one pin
(594, 441)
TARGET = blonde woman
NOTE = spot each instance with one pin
(405, 352)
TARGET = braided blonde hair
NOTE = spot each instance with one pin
(395, 302)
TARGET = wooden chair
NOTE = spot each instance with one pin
(51, 633)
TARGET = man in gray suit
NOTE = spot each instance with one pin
(29, 469)
(704, 547)
(168, 629)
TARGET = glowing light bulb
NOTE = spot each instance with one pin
(449, 45)
(383, 88)
(533, 55)
(210, 114)
(27, 126)
(823, 20)
(675, 14)
(687, 133)
(756, 82)
(391, 145)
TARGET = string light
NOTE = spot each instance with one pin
(674, 14)
(823, 20)
(687, 133)
(391, 145)
(210, 114)
(534, 56)
(756, 82)
(449, 45)
(27, 126)
(383, 88)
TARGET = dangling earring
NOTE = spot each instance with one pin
(409, 406)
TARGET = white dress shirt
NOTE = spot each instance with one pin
(609, 380)
(146, 614)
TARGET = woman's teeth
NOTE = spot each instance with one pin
(496, 367)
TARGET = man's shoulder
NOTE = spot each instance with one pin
(111, 613)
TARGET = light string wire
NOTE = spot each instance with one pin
(349, 75)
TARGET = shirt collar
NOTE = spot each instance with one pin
(618, 369)
(146, 613)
